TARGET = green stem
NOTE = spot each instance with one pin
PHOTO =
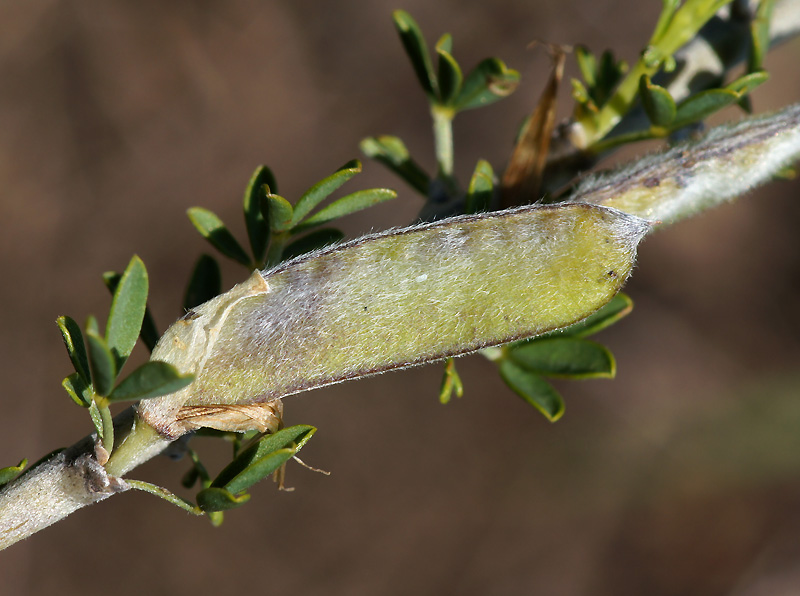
(140, 443)
(166, 495)
(108, 425)
(443, 139)
(276, 246)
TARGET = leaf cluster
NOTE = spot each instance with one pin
(276, 229)
(98, 358)
(609, 89)
(262, 457)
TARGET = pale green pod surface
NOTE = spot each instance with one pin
(396, 299)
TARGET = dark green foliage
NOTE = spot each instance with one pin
(533, 389)
(204, 284)
(271, 225)
(657, 102)
(481, 188)
(562, 354)
(257, 228)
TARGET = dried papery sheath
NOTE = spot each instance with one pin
(695, 176)
(396, 299)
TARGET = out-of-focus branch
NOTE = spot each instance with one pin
(721, 45)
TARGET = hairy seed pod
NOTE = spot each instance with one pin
(395, 299)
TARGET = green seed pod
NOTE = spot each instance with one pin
(392, 300)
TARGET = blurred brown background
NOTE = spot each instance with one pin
(682, 476)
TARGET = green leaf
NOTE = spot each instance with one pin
(260, 469)
(488, 82)
(102, 364)
(322, 189)
(618, 307)
(212, 229)
(392, 153)
(163, 493)
(451, 382)
(571, 357)
(9, 473)
(148, 333)
(205, 283)
(417, 50)
(481, 188)
(277, 210)
(346, 205)
(703, 104)
(151, 379)
(127, 312)
(748, 82)
(257, 226)
(76, 348)
(78, 389)
(218, 499)
(244, 471)
(313, 241)
(533, 389)
(657, 102)
(450, 77)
